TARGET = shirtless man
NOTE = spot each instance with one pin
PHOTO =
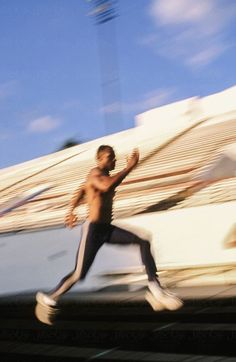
(99, 189)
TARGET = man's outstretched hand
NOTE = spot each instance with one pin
(71, 220)
(133, 159)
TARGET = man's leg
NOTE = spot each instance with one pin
(162, 298)
(88, 248)
(123, 237)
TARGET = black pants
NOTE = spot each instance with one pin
(94, 235)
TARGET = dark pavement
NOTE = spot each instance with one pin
(116, 324)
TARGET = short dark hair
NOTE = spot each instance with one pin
(104, 148)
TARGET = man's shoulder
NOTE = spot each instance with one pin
(95, 172)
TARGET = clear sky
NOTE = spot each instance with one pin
(61, 78)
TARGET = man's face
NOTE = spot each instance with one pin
(108, 160)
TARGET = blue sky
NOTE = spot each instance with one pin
(55, 59)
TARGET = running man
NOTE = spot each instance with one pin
(99, 189)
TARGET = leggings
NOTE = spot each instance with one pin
(94, 235)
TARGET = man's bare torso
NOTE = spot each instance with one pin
(100, 203)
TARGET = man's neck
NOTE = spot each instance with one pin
(104, 170)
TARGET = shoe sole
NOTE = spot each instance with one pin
(169, 302)
(46, 315)
(155, 304)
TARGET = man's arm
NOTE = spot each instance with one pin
(71, 219)
(106, 183)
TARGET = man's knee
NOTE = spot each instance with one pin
(77, 277)
(145, 244)
(82, 277)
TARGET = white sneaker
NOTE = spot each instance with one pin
(45, 299)
(168, 300)
(155, 304)
(168, 292)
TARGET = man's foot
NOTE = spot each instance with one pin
(46, 314)
(154, 303)
(45, 299)
(167, 299)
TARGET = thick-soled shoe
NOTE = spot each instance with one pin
(168, 300)
(45, 299)
(154, 303)
(46, 314)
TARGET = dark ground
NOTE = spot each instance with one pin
(118, 325)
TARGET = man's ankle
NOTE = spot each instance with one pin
(155, 281)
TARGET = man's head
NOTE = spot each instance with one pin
(106, 157)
